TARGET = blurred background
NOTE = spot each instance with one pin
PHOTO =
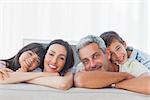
(71, 20)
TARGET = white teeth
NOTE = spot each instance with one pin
(52, 66)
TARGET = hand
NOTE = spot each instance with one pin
(22, 69)
(4, 73)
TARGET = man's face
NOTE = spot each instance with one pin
(92, 57)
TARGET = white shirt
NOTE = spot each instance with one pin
(133, 67)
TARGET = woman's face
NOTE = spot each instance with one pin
(28, 61)
(55, 58)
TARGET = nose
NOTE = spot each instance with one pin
(115, 55)
(92, 63)
(33, 58)
(54, 60)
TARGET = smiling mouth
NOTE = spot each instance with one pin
(52, 67)
(97, 68)
(121, 60)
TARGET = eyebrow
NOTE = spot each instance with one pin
(30, 52)
(89, 56)
(62, 55)
(59, 54)
(52, 51)
(117, 46)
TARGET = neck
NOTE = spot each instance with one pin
(129, 53)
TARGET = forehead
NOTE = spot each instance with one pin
(114, 43)
(28, 51)
(57, 48)
(88, 50)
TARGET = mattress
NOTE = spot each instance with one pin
(24, 91)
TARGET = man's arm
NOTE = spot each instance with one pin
(59, 82)
(99, 79)
(140, 84)
(16, 77)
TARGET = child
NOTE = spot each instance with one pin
(129, 60)
(29, 58)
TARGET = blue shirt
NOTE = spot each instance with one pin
(140, 56)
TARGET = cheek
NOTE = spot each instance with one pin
(32, 67)
(46, 60)
(101, 59)
(87, 67)
(45, 63)
(122, 51)
(21, 59)
(113, 57)
(60, 66)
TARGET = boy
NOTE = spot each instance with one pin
(129, 60)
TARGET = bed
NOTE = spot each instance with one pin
(23, 91)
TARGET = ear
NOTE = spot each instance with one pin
(108, 55)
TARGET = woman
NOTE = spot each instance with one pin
(28, 58)
(58, 59)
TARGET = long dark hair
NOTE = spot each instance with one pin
(13, 63)
(69, 59)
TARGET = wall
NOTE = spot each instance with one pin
(71, 20)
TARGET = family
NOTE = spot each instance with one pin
(106, 61)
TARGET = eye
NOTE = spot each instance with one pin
(96, 55)
(38, 61)
(118, 48)
(85, 62)
(51, 54)
(29, 53)
(62, 58)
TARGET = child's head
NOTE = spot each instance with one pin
(116, 45)
(29, 58)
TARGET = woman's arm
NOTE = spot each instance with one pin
(140, 84)
(4, 73)
(16, 77)
(59, 82)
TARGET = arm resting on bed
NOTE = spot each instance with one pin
(59, 82)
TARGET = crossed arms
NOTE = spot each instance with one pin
(42, 78)
(123, 80)
(90, 79)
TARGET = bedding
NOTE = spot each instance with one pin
(23, 91)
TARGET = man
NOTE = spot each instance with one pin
(98, 72)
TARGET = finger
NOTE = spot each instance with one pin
(8, 70)
(19, 70)
(1, 76)
(24, 69)
(4, 73)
